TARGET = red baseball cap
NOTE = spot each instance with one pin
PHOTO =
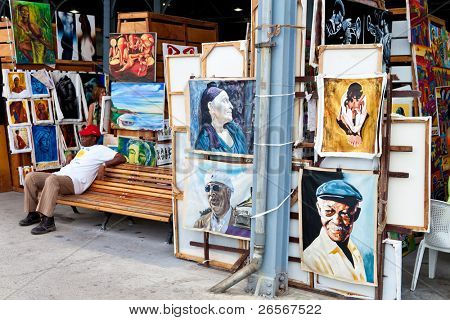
(90, 130)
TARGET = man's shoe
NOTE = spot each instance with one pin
(32, 218)
(47, 225)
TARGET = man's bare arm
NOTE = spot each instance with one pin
(118, 159)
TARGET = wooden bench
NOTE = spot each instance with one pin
(130, 190)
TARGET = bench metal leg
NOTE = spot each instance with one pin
(169, 239)
(105, 222)
(131, 221)
(75, 210)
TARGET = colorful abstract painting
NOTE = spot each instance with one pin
(137, 106)
(218, 198)
(438, 47)
(19, 139)
(441, 76)
(66, 36)
(418, 20)
(137, 151)
(33, 35)
(443, 104)
(338, 229)
(222, 114)
(427, 84)
(132, 57)
(18, 113)
(45, 148)
(42, 111)
(349, 115)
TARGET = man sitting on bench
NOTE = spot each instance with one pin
(79, 173)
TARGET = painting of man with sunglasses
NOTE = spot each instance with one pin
(220, 216)
(333, 245)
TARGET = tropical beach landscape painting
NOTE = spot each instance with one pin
(137, 106)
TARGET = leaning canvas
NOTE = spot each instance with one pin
(45, 153)
(218, 198)
(137, 106)
(132, 57)
(349, 115)
(33, 34)
(418, 19)
(69, 137)
(19, 139)
(137, 151)
(338, 224)
(17, 84)
(66, 36)
(222, 116)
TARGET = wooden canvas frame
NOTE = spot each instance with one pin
(394, 194)
(105, 115)
(241, 46)
(63, 140)
(169, 68)
(359, 52)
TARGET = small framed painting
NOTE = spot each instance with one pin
(16, 84)
(18, 113)
(42, 111)
(19, 139)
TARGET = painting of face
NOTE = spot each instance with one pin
(18, 112)
(349, 115)
(218, 198)
(338, 212)
(33, 35)
(17, 85)
(132, 57)
(38, 89)
(136, 151)
(42, 111)
(174, 49)
(222, 116)
(45, 147)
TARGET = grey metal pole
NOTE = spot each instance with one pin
(271, 278)
(106, 30)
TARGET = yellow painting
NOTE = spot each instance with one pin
(17, 85)
(350, 112)
(403, 109)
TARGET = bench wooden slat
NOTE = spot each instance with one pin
(122, 205)
(130, 190)
(144, 174)
(114, 210)
(117, 194)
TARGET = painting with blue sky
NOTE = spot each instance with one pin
(338, 213)
(137, 106)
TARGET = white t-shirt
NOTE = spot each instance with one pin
(84, 167)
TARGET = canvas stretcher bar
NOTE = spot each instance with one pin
(236, 65)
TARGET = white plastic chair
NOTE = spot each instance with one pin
(437, 240)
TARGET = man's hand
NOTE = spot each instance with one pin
(69, 158)
(101, 172)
